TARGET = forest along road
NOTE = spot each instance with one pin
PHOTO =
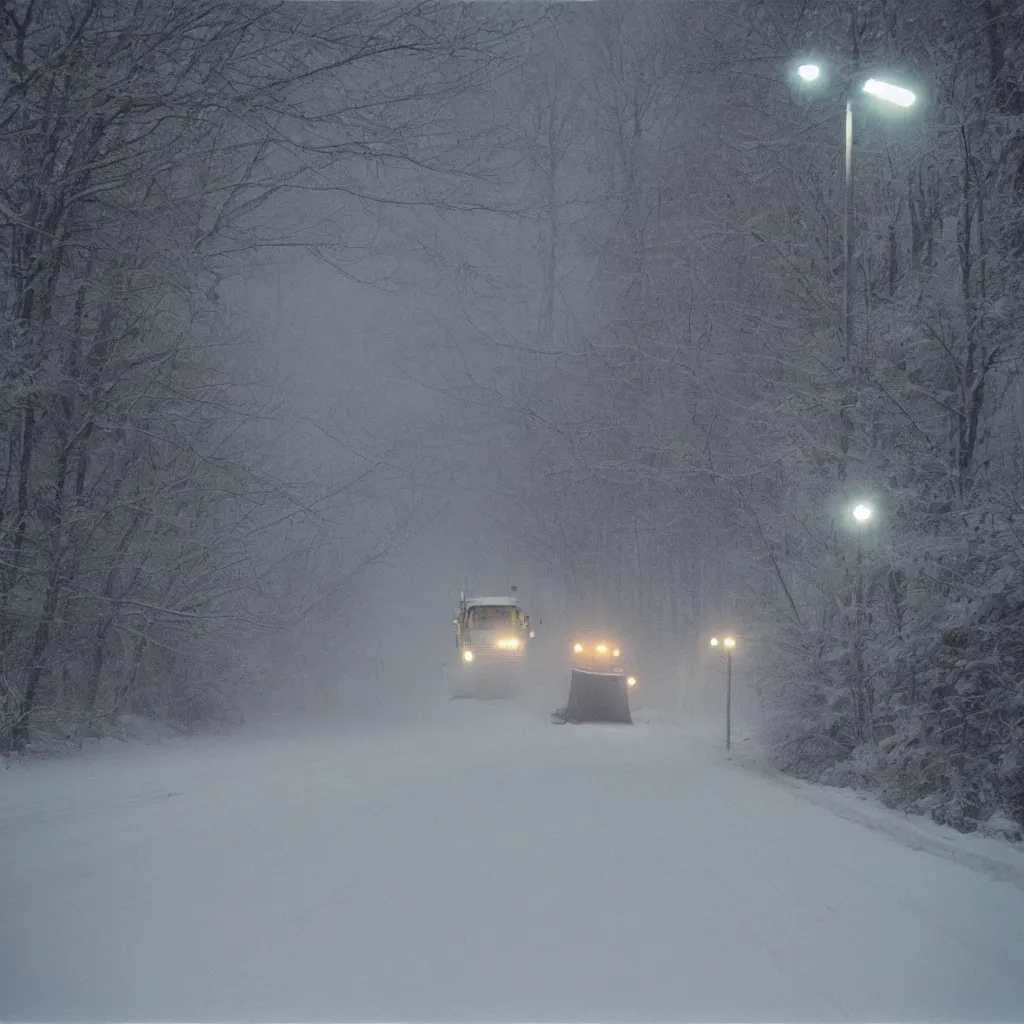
(475, 863)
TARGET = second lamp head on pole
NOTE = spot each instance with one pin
(810, 72)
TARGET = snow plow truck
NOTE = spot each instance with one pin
(600, 687)
(492, 635)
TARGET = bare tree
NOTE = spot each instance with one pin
(145, 146)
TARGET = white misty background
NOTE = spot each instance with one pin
(314, 313)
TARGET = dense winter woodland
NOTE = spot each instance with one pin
(617, 232)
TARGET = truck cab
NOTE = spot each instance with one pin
(491, 631)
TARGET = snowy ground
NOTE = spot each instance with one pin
(474, 862)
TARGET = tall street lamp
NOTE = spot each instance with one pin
(862, 514)
(728, 642)
(882, 90)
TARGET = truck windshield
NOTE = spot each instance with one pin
(492, 617)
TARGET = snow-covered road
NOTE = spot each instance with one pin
(477, 863)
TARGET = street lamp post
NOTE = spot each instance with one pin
(728, 643)
(898, 96)
(862, 513)
(849, 232)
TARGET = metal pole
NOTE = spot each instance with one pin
(728, 700)
(858, 645)
(848, 287)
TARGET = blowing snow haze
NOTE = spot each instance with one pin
(325, 324)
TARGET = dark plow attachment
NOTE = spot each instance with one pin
(597, 697)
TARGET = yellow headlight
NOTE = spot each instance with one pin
(602, 649)
(578, 648)
(616, 653)
(631, 681)
(467, 655)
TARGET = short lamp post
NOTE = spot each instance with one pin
(727, 642)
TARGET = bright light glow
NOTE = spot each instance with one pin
(509, 643)
(889, 92)
(602, 649)
(862, 512)
(616, 653)
(467, 655)
(808, 72)
(729, 641)
(714, 641)
(631, 681)
(578, 648)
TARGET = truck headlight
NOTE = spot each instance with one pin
(467, 655)
(578, 648)
(631, 681)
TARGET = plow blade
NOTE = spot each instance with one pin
(598, 697)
